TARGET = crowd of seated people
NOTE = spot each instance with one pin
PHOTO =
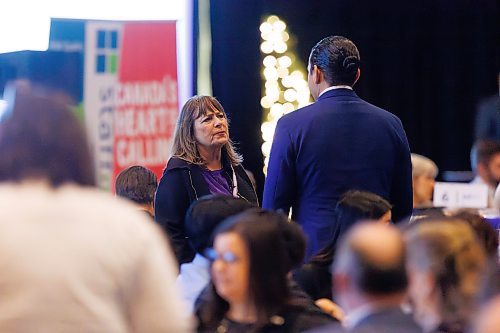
(80, 260)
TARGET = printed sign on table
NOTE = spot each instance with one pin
(454, 195)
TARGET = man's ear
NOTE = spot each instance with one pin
(358, 74)
(317, 75)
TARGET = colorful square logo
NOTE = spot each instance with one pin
(107, 51)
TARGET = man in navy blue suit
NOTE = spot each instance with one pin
(338, 143)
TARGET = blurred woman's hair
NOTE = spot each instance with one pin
(41, 138)
(275, 247)
(185, 146)
(353, 207)
(486, 234)
(449, 250)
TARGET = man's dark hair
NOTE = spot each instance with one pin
(137, 183)
(205, 214)
(338, 59)
(40, 137)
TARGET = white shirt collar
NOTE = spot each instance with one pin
(335, 87)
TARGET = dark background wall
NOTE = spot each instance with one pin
(428, 61)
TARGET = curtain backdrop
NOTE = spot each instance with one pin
(429, 62)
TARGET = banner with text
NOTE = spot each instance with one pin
(130, 95)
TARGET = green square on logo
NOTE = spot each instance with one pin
(112, 63)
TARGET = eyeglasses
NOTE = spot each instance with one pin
(227, 257)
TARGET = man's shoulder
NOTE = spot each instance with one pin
(319, 112)
(314, 110)
(378, 111)
(299, 114)
(393, 320)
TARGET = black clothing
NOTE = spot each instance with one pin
(298, 315)
(315, 280)
(181, 184)
(293, 319)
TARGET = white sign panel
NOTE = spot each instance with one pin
(102, 42)
(454, 195)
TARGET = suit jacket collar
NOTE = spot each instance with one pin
(337, 93)
(375, 313)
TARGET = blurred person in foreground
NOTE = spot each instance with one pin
(370, 281)
(73, 259)
(446, 265)
(424, 173)
(138, 184)
(202, 218)
(252, 254)
(488, 318)
(485, 233)
(338, 143)
(204, 161)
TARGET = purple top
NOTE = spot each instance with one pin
(495, 222)
(217, 183)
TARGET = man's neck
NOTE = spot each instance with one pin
(333, 88)
(363, 305)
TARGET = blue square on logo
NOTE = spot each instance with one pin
(114, 39)
(101, 39)
(101, 64)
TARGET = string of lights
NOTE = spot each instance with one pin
(285, 86)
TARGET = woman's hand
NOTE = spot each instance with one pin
(331, 308)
